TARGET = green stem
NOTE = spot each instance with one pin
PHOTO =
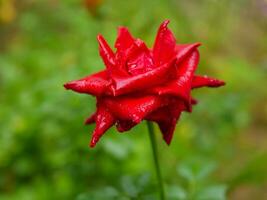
(155, 156)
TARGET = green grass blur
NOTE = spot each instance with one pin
(218, 152)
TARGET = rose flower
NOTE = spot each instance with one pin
(140, 83)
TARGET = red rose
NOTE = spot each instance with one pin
(141, 83)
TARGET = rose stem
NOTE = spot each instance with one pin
(155, 156)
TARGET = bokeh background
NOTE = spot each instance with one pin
(218, 152)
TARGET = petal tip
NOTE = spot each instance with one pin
(167, 140)
(69, 85)
(93, 142)
(122, 29)
(165, 22)
(99, 37)
(222, 83)
(89, 120)
(91, 145)
(197, 44)
(76, 86)
(218, 83)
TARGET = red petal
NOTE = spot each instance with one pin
(123, 85)
(193, 101)
(180, 87)
(186, 71)
(104, 120)
(124, 39)
(106, 52)
(184, 50)
(123, 43)
(90, 119)
(164, 46)
(167, 118)
(167, 129)
(133, 108)
(124, 125)
(139, 59)
(202, 81)
(171, 88)
(96, 84)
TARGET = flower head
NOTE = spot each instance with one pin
(140, 83)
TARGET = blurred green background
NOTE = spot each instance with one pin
(218, 152)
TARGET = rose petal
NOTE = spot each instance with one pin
(164, 46)
(124, 85)
(167, 129)
(124, 39)
(184, 50)
(170, 88)
(181, 87)
(202, 81)
(125, 125)
(104, 120)
(194, 101)
(167, 117)
(133, 108)
(106, 52)
(185, 72)
(96, 84)
(90, 119)
(139, 58)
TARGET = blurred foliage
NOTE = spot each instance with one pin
(219, 150)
